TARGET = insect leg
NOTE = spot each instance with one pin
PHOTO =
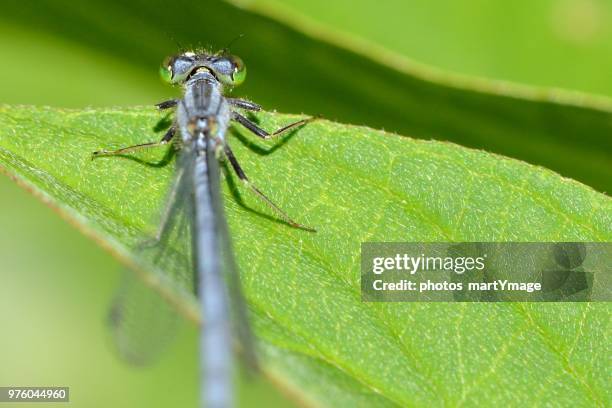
(244, 104)
(243, 177)
(170, 103)
(261, 132)
(164, 140)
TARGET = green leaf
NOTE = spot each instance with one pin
(551, 43)
(300, 70)
(353, 184)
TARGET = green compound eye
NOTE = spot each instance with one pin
(229, 69)
(239, 71)
(176, 69)
(165, 71)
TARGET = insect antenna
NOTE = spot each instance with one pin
(226, 49)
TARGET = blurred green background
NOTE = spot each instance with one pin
(56, 285)
(551, 43)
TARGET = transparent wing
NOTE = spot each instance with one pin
(240, 319)
(142, 321)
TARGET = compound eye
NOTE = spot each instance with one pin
(176, 69)
(165, 70)
(239, 71)
(230, 70)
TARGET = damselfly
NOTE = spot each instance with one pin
(202, 118)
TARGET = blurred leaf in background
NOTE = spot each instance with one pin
(548, 43)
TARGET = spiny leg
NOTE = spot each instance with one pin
(170, 103)
(243, 177)
(263, 133)
(164, 141)
(243, 104)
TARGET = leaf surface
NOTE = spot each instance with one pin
(353, 184)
